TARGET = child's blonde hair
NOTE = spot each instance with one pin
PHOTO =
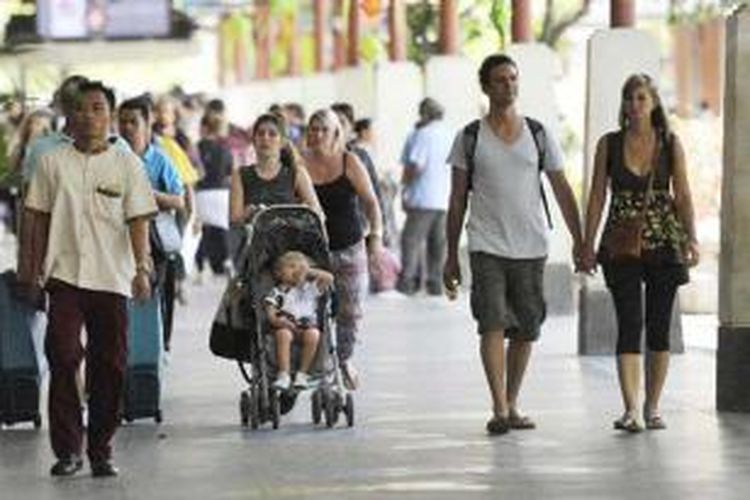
(287, 258)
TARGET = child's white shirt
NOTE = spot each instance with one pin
(297, 301)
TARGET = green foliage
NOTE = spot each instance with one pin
(422, 19)
(500, 15)
(681, 12)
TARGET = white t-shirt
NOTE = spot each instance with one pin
(428, 149)
(299, 302)
(506, 215)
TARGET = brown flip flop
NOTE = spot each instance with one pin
(521, 422)
(497, 426)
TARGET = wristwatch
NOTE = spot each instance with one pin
(143, 267)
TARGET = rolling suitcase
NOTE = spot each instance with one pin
(19, 372)
(142, 397)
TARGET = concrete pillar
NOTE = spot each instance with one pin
(711, 49)
(339, 38)
(397, 30)
(449, 32)
(320, 15)
(622, 13)
(613, 55)
(537, 68)
(521, 22)
(684, 53)
(733, 355)
(262, 24)
(294, 59)
(353, 29)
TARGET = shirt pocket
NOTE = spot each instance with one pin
(108, 205)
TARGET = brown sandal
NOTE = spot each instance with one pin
(655, 422)
(520, 422)
(497, 426)
(627, 423)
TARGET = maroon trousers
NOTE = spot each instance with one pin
(105, 317)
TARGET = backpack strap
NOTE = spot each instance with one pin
(540, 141)
(470, 137)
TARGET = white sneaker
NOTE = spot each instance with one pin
(283, 381)
(301, 381)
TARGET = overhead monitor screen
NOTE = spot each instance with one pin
(82, 19)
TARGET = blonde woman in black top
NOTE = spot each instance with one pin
(342, 183)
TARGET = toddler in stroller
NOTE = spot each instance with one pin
(274, 232)
(291, 308)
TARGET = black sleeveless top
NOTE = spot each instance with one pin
(663, 233)
(276, 191)
(341, 206)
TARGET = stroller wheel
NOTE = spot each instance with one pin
(254, 408)
(244, 408)
(287, 399)
(331, 407)
(275, 409)
(316, 401)
(349, 410)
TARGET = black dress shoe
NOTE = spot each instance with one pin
(67, 466)
(103, 468)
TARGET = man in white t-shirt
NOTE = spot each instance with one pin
(507, 235)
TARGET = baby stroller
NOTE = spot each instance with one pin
(272, 232)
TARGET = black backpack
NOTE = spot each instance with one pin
(471, 135)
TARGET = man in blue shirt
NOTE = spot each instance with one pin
(135, 125)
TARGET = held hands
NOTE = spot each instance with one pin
(585, 259)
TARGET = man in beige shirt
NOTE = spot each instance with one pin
(90, 251)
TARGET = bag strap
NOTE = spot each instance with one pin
(540, 141)
(650, 189)
(470, 137)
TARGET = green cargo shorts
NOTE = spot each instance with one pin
(508, 295)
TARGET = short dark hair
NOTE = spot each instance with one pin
(490, 63)
(216, 105)
(346, 109)
(361, 125)
(97, 86)
(66, 95)
(141, 104)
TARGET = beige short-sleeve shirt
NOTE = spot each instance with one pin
(90, 199)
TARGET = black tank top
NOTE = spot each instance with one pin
(341, 206)
(276, 191)
(663, 233)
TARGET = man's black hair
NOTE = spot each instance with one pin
(216, 105)
(66, 95)
(362, 124)
(490, 63)
(141, 104)
(97, 86)
(346, 109)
